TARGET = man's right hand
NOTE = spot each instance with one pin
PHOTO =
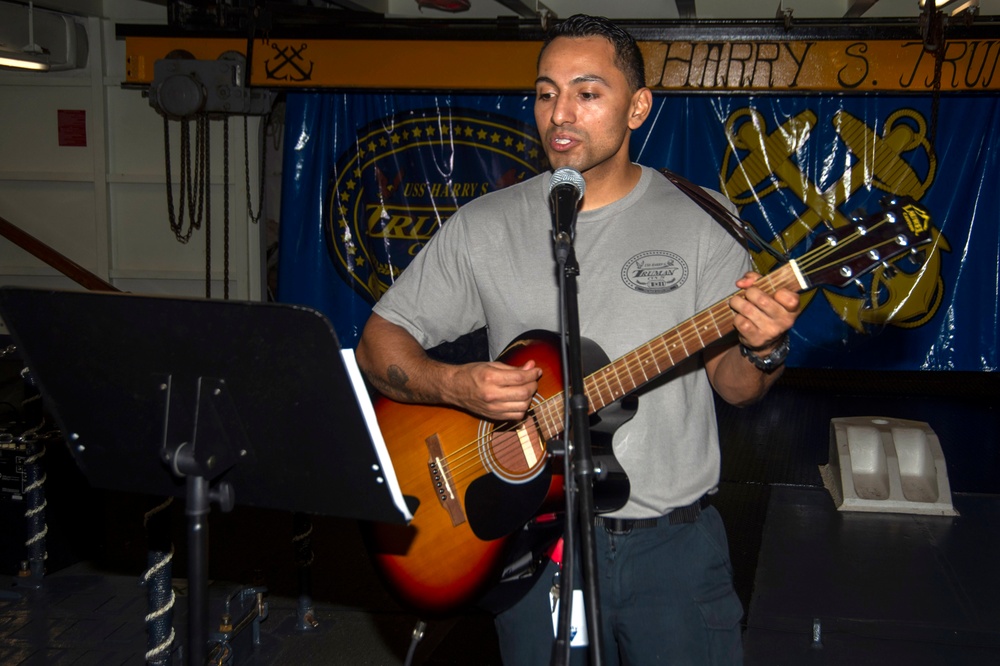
(399, 368)
(494, 390)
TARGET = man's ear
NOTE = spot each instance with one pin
(642, 102)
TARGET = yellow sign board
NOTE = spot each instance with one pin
(832, 66)
(679, 66)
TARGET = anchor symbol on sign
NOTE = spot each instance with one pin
(896, 297)
(288, 56)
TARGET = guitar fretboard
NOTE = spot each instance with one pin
(653, 358)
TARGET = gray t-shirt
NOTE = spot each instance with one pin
(647, 262)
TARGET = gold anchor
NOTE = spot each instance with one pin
(905, 298)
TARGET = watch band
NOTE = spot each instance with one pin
(773, 360)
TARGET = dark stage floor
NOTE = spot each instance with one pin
(885, 588)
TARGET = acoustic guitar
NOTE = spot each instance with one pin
(478, 482)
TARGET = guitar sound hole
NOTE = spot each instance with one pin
(515, 454)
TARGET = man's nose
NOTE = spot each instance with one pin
(564, 111)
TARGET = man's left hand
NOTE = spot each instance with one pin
(761, 318)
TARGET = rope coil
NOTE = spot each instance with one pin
(36, 502)
(162, 649)
(161, 599)
(160, 595)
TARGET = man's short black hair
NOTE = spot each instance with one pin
(628, 57)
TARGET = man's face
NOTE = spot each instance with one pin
(583, 105)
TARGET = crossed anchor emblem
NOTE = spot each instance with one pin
(894, 297)
(288, 59)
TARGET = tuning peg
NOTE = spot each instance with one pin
(861, 288)
(888, 270)
(858, 214)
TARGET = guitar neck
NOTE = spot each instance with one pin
(652, 359)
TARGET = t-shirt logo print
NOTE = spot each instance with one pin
(655, 272)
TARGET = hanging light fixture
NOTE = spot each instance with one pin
(31, 57)
(954, 6)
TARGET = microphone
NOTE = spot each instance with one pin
(565, 191)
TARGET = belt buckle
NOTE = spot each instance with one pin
(619, 526)
(616, 526)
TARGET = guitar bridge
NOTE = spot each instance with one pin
(444, 485)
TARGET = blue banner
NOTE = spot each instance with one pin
(368, 178)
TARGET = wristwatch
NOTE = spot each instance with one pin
(773, 360)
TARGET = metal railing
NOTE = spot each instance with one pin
(67, 267)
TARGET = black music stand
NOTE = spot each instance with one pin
(233, 402)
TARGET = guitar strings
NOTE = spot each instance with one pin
(544, 420)
(815, 264)
(467, 458)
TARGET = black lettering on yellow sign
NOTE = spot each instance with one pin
(821, 65)
(966, 65)
(854, 73)
(730, 64)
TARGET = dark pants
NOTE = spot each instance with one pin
(666, 596)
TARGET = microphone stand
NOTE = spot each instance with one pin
(579, 471)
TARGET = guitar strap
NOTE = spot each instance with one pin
(721, 214)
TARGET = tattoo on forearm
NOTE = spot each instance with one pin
(397, 377)
(398, 380)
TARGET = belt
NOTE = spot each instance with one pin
(678, 516)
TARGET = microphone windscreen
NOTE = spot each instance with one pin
(568, 176)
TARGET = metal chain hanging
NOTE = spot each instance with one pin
(934, 43)
(189, 188)
(938, 66)
(225, 207)
(208, 213)
(263, 170)
(195, 189)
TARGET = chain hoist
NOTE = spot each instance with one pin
(189, 90)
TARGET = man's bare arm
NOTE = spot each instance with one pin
(395, 363)
(399, 368)
(761, 320)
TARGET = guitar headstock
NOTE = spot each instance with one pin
(840, 256)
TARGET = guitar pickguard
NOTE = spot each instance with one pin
(494, 511)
